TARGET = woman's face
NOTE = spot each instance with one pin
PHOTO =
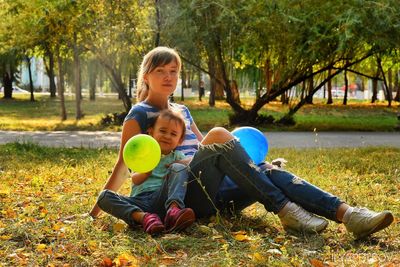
(163, 79)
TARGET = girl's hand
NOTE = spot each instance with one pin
(186, 161)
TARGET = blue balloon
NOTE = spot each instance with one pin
(254, 142)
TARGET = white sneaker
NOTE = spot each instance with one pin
(363, 222)
(299, 220)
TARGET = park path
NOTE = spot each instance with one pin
(275, 139)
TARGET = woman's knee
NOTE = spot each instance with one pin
(217, 135)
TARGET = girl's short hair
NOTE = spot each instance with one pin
(174, 115)
(159, 56)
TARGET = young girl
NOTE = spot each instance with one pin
(219, 154)
(163, 188)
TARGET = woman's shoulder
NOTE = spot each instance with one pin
(184, 109)
(141, 108)
(141, 111)
(178, 106)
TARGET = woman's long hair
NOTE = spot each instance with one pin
(159, 56)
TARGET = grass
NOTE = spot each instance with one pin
(21, 114)
(44, 191)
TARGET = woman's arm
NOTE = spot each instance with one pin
(120, 171)
(196, 131)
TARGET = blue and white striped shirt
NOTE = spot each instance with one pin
(145, 115)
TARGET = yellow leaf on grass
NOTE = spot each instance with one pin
(5, 237)
(126, 259)
(241, 237)
(257, 257)
(118, 227)
(92, 245)
(41, 247)
(9, 213)
(4, 192)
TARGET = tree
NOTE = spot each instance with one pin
(287, 39)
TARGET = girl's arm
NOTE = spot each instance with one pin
(139, 178)
(120, 171)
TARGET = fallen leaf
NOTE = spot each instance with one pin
(5, 237)
(41, 247)
(118, 227)
(316, 263)
(257, 257)
(204, 229)
(126, 259)
(92, 245)
(168, 260)
(106, 262)
(241, 237)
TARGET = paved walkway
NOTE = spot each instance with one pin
(275, 139)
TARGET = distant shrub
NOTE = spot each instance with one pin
(113, 119)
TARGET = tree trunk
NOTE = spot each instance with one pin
(309, 100)
(219, 88)
(386, 87)
(329, 84)
(397, 85)
(235, 92)
(285, 98)
(268, 75)
(116, 80)
(50, 72)
(183, 82)
(28, 62)
(7, 83)
(92, 72)
(61, 88)
(211, 68)
(158, 23)
(77, 80)
(346, 87)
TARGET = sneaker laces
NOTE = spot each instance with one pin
(301, 214)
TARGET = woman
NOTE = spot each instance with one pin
(219, 155)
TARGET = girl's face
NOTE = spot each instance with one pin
(168, 134)
(163, 79)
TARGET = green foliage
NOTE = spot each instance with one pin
(46, 191)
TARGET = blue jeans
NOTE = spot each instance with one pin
(173, 189)
(248, 183)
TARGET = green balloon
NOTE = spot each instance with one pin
(141, 153)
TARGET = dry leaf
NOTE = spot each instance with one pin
(92, 245)
(5, 237)
(106, 262)
(257, 257)
(168, 260)
(126, 259)
(118, 227)
(41, 247)
(241, 237)
(316, 263)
